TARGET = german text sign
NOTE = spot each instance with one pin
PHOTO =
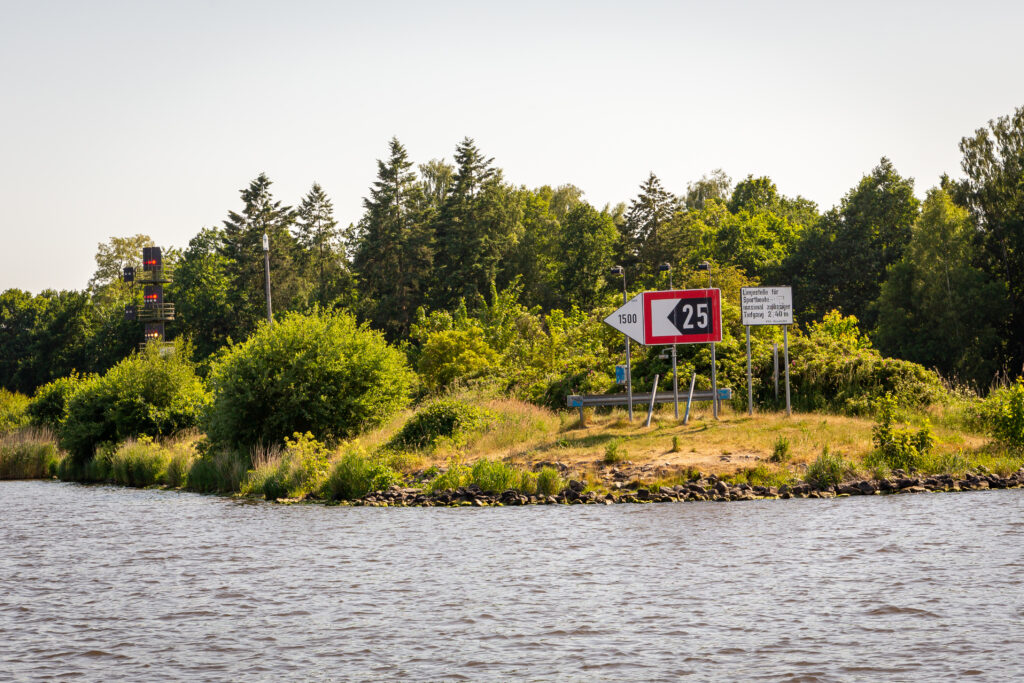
(767, 305)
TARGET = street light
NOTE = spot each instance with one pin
(704, 265)
(667, 268)
(266, 274)
(619, 270)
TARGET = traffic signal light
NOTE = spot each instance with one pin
(129, 274)
(153, 295)
(152, 258)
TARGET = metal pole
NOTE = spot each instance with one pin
(689, 400)
(266, 276)
(654, 395)
(775, 373)
(629, 360)
(750, 380)
(785, 342)
(675, 369)
(714, 384)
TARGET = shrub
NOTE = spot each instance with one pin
(28, 454)
(780, 451)
(449, 356)
(614, 452)
(320, 373)
(217, 471)
(446, 419)
(49, 406)
(298, 471)
(355, 474)
(897, 448)
(827, 470)
(1008, 415)
(549, 481)
(835, 368)
(13, 411)
(147, 394)
(494, 475)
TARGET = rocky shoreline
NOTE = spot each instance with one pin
(699, 488)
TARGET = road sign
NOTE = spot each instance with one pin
(767, 305)
(679, 316)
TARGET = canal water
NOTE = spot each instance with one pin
(104, 584)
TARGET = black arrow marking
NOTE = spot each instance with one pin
(692, 316)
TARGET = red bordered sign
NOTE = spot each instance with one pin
(682, 316)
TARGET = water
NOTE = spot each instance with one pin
(110, 584)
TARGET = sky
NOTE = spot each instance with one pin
(121, 118)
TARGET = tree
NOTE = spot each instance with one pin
(201, 293)
(647, 214)
(107, 285)
(242, 246)
(436, 179)
(842, 262)
(993, 191)
(717, 185)
(478, 223)
(586, 246)
(318, 236)
(935, 307)
(393, 254)
(754, 195)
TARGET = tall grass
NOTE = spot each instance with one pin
(356, 473)
(296, 472)
(496, 476)
(28, 454)
(829, 469)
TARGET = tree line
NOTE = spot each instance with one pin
(938, 281)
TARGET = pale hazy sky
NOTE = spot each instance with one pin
(126, 117)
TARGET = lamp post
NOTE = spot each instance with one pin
(667, 268)
(704, 265)
(619, 270)
(266, 276)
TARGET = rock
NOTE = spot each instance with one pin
(867, 488)
(721, 488)
(914, 489)
(577, 485)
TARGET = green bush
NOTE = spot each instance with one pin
(828, 470)
(549, 481)
(449, 420)
(217, 470)
(300, 470)
(1008, 415)
(152, 393)
(13, 411)
(897, 448)
(835, 368)
(780, 451)
(450, 356)
(614, 452)
(356, 474)
(320, 373)
(49, 405)
(28, 454)
(495, 476)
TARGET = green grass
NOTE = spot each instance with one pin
(829, 469)
(28, 454)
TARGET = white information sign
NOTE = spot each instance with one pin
(767, 305)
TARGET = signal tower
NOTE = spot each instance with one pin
(156, 312)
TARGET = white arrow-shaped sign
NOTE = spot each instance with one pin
(629, 319)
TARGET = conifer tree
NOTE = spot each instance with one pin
(316, 232)
(242, 246)
(478, 223)
(647, 214)
(392, 255)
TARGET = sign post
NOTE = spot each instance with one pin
(767, 306)
(678, 316)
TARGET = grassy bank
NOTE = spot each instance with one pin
(497, 444)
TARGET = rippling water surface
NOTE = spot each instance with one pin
(117, 584)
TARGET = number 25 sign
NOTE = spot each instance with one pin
(680, 316)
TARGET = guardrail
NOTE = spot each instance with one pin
(155, 276)
(156, 312)
(602, 400)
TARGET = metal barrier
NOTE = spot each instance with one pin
(156, 312)
(607, 400)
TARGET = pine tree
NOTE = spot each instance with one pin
(478, 222)
(647, 214)
(392, 253)
(317, 234)
(242, 246)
